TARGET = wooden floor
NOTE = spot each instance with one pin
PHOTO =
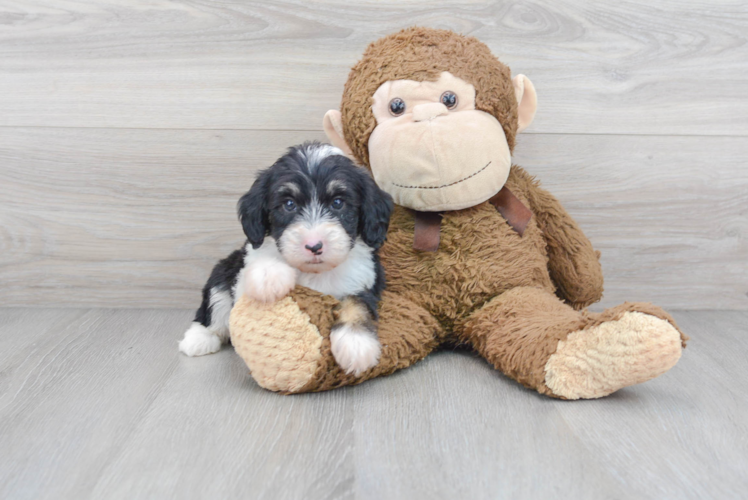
(97, 403)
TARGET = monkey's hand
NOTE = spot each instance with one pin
(573, 264)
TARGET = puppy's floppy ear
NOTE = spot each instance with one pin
(376, 208)
(253, 210)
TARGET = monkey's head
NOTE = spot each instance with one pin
(434, 115)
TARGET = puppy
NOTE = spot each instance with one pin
(313, 219)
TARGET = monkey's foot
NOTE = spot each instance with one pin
(287, 345)
(599, 360)
(278, 342)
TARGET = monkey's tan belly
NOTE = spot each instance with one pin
(479, 257)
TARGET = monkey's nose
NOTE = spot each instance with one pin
(423, 112)
(316, 249)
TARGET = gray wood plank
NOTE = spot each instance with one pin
(23, 336)
(69, 403)
(670, 214)
(616, 67)
(123, 217)
(213, 433)
(104, 407)
(136, 218)
(682, 435)
(451, 427)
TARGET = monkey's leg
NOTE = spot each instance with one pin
(536, 339)
(286, 345)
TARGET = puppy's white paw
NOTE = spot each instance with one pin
(269, 280)
(199, 341)
(355, 349)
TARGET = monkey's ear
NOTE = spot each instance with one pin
(333, 125)
(527, 101)
(253, 210)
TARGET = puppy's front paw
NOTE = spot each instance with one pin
(355, 348)
(269, 281)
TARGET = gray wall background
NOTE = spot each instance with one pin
(128, 132)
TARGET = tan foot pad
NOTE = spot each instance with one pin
(277, 341)
(598, 361)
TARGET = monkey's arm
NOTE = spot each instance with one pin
(573, 264)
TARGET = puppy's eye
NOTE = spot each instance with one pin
(289, 205)
(337, 203)
(449, 99)
(397, 106)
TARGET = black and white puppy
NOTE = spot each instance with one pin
(313, 219)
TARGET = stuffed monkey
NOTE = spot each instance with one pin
(477, 253)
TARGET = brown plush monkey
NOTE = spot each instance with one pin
(477, 252)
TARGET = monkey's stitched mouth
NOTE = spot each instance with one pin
(444, 185)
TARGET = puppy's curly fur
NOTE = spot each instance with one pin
(312, 219)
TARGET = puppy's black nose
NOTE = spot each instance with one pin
(316, 249)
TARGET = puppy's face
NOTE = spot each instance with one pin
(314, 216)
(315, 203)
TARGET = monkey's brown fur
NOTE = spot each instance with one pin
(515, 299)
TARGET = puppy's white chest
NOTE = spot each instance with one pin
(354, 275)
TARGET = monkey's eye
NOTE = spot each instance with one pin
(397, 106)
(289, 205)
(337, 204)
(449, 99)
